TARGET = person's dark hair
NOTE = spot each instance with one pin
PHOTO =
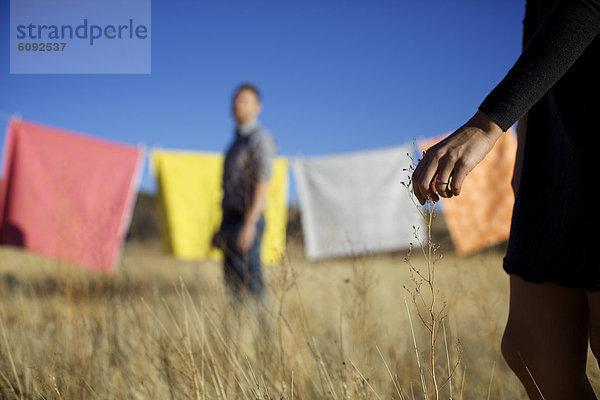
(247, 86)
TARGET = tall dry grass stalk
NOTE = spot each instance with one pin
(432, 312)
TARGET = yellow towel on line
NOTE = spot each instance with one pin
(190, 193)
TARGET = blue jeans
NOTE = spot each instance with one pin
(242, 271)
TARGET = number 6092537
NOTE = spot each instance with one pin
(50, 46)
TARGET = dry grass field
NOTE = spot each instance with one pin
(339, 329)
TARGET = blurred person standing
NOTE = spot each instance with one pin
(551, 257)
(246, 174)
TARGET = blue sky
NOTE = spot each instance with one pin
(336, 75)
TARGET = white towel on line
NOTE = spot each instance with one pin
(356, 203)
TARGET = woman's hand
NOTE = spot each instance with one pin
(445, 165)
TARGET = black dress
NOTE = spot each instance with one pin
(554, 234)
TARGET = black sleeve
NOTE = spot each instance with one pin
(530, 21)
(554, 47)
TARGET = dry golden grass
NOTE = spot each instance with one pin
(165, 329)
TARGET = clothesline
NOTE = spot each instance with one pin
(350, 203)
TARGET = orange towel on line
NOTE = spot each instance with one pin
(480, 216)
(67, 196)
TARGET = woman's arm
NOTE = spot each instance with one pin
(563, 36)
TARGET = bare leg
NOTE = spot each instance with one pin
(546, 339)
(594, 304)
